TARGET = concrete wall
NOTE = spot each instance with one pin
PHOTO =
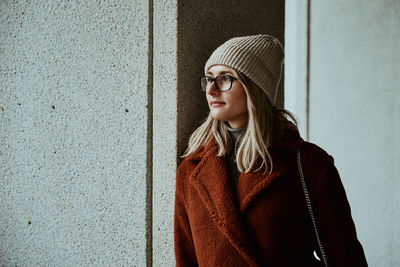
(73, 134)
(353, 106)
(164, 130)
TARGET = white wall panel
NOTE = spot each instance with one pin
(354, 110)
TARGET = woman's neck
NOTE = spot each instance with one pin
(235, 133)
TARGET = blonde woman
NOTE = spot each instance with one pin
(250, 191)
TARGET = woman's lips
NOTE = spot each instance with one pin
(217, 103)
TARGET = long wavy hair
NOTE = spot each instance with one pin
(266, 124)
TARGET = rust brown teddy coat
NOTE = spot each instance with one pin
(263, 220)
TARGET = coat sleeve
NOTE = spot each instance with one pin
(333, 217)
(184, 249)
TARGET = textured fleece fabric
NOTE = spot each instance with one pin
(263, 219)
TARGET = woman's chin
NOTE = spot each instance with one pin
(218, 116)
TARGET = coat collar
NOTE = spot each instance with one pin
(210, 179)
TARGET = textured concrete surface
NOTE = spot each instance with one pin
(355, 114)
(164, 130)
(73, 94)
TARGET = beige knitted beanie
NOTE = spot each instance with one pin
(259, 57)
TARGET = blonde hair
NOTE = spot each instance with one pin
(266, 124)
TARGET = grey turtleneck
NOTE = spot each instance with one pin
(232, 165)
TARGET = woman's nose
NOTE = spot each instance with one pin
(212, 89)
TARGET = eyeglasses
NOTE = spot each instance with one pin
(222, 83)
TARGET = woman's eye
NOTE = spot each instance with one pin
(226, 78)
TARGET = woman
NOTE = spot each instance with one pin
(239, 196)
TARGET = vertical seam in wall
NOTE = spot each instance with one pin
(308, 70)
(178, 102)
(149, 143)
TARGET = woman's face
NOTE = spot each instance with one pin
(230, 106)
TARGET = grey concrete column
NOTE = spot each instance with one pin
(165, 94)
(73, 132)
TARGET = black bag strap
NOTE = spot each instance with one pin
(310, 210)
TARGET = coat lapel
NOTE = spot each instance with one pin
(211, 180)
(252, 184)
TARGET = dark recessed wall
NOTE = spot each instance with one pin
(202, 27)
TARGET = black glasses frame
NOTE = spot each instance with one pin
(232, 79)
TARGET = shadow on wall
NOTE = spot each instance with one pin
(200, 32)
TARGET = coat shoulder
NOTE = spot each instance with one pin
(316, 161)
(314, 153)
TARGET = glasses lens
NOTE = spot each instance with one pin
(203, 83)
(223, 83)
